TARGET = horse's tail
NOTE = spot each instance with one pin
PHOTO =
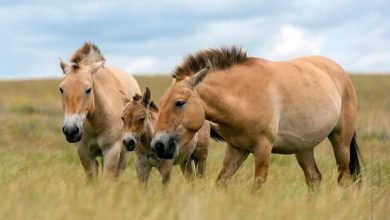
(87, 54)
(214, 133)
(354, 164)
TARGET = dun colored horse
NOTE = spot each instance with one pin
(93, 107)
(263, 107)
(139, 116)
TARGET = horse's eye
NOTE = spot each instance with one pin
(123, 118)
(88, 91)
(61, 91)
(180, 103)
(141, 120)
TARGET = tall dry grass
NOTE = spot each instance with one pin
(41, 176)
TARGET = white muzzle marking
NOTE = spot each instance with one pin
(74, 120)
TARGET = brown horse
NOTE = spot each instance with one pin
(263, 107)
(93, 107)
(139, 116)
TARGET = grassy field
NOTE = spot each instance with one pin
(41, 176)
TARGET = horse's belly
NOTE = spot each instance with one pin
(291, 142)
(305, 128)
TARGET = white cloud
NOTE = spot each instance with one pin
(153, 37)
(272, 40)
(294, 42)
(142, 64)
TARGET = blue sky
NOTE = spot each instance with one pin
(151, 37)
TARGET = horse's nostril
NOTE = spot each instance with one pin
(132, 142)
(159, 147)
(129, 144)
(75, 131)
(172, 145)
(71, 131)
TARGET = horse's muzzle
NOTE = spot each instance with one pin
(129, 143)
(72, 134)
(164, 147)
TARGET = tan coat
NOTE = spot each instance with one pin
(262, 106)
(93, 107)
(139, 117)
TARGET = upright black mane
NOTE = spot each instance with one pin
(214, 58)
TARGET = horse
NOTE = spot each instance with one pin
(92, 104)
(139, 117)
(263, 107)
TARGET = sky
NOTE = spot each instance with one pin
(152, 37)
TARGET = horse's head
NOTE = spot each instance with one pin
(182, 114)
(77, 93)
(138, 118)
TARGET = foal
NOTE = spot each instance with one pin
(139, 116)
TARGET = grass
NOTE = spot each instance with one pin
(41, 176)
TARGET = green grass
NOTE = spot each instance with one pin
(41, 176)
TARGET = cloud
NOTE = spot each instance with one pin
(153, 37)
(294, 42)
(142, 64)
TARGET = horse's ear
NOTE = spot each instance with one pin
(125, 99)
(64, 66)
(199, 76)
(146, 97)
(153, 106)
(137, 97)
(95, 66)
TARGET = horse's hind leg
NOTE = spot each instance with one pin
(341, 138)
(308, 164)
(232, 161)
(342, 135)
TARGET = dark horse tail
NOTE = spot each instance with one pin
(214, 133)
(354, 164)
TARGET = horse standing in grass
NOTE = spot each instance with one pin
(263, 107)
(139, 117)
(93, 107)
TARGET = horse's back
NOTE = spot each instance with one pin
(127, 82)
(340, 79)
(108, 83)
(329, 67)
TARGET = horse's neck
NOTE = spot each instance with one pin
(102, 110)
(214, 111)
(147, 135)
(145, 141)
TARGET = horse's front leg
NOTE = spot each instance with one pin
(186, 169)
(143, 169)
(111, 157)
(262, 152)
(232, 161)
(165, 170)
(89, 162)
(122, 164)
(201, 167)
